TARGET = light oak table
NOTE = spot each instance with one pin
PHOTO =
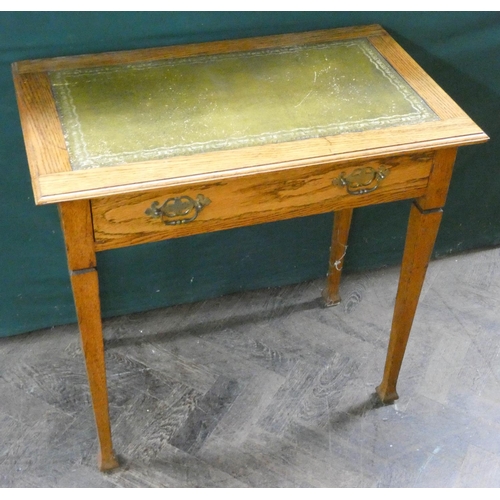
(145, 145)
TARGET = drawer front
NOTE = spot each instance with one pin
(258, 198)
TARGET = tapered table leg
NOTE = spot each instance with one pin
(422, 231)
(78, 235)
(341, 225)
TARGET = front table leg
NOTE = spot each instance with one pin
(422, 231)
(78, 234)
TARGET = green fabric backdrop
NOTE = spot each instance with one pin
(460, 50)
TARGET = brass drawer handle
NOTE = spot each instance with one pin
(362, 180)
(179, 210)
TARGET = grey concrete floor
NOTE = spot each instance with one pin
(270, 389)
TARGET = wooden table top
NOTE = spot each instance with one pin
(103, 124)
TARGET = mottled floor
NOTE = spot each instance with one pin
(270, 389)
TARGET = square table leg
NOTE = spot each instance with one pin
(341, 225)
(423, 226)
(78, 235)
(422, 231)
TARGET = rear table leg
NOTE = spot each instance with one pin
(341, 225)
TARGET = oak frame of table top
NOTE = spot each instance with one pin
(75, 191)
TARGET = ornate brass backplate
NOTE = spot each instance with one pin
(362, 180)
(179, 210)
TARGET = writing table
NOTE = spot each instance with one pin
(144, 145)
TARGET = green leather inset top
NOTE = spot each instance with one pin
(137, 112)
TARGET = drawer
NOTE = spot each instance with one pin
(261, 197)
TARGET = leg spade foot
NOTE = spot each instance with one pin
(107, 462)
(385, 396)
(330, 300)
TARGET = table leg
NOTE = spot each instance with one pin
(77, 228)
(422, 231)
(341, 225)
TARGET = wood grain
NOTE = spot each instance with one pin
(54, 181)
(43, 137)
(77, 228)
(437, 99)
(196, 49)
(86, 296)
(422, 232)
(439, 180)
(177, 171)
(76, 224)
(246, 186)
(121, 220)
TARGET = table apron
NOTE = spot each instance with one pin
(246, 200)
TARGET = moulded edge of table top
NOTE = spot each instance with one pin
(54, 181)
(195, 49)
(179, 171)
